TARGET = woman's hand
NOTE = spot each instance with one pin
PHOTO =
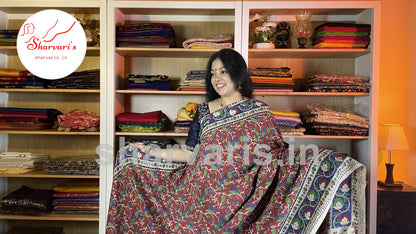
(140, 146)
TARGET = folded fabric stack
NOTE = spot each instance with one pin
(194, 81)
(341, 36)
(219, 41)
(322, 120)
(76, 198)
(154, 82)
(337, 83)
(8, 37)
(154, 121)
(159, 141)
(21, 162)
(289, 123)
(272, 79)
(13, 78)
(27, 201)
(35, 230)
(87, 79)
(79, 121)
(145, 35)
(184, 118)
(73, 165)
(27, 118)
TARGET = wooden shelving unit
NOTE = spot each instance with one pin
(190, 19)
(50, 141)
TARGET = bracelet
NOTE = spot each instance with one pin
(147, 151)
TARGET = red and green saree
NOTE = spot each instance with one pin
(241, 179)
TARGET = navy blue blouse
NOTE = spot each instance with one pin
(193, 134)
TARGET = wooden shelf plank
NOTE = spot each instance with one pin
(50, 90)
(329, 137)
(48, 132)
(154, 92)
(175, 134)
(307, 53)
(11, 50)
(52, 217)
(165, 133)
(29, 6)
(165, 52)
(253, 53)
(43, 174)
(257, 93)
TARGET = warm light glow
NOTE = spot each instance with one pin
(392, 138)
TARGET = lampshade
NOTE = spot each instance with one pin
(392, 138)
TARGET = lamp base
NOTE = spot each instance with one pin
(393, 185)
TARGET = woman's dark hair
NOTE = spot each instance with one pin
(236, 67)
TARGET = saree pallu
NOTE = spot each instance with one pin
(234, 172)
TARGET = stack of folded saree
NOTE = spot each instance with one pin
(289, 123)
(27, 118)
(8, 37)
(13, 78)
(194, 81)
(154, 121)
(73, 165)
(337, 83)
(161, 142)
(145, 35)
(341, 35)
(153, 82)
(76, 198)
(79, 121)
(219, 41)
(27, 201)
(87, 79)
(272, 79)
(322, 120)
(184, 117)
(21, 162)
(35, 230)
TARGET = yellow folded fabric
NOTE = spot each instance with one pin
(183, 115)
(18, 170)
(201, 47)
(286, 113)
(88, 186)
(345, 45)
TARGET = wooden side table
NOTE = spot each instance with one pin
(396, 209)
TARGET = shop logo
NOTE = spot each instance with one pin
(51, 44)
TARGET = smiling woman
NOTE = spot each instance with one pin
(239, 177)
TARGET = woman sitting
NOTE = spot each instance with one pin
(235, 174)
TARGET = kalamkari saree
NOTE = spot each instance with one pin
(241, 179)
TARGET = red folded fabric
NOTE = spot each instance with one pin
(79, 118)
(344, 29)
(148, 117)
(27, 114)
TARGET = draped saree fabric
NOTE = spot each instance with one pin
(241, 179)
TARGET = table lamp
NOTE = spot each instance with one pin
(392, 138)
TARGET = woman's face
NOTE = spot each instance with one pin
(221, 80)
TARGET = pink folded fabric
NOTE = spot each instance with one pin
(148, 117)
(340, 39)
